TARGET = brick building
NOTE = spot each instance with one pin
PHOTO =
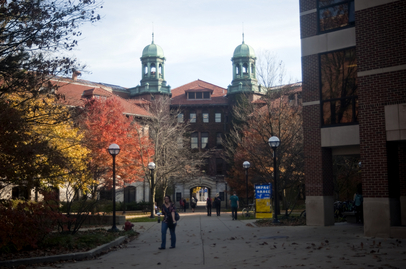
(354, 103)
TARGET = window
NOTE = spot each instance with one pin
(339, 102)
(191, 95)
(198, 95)
(180, 117)
(179, 141)
(206, 95)
(205, 166)
(130, 194)
(205, 140)
(194, 141)
(192, 117)
(217, 117)
(105, 195)
(205, 117)
(335, 14)
(219, 140)
(219, 166)
(245, 68)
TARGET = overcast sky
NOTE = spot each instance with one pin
(198, 38)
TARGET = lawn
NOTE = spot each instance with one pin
(60, 243)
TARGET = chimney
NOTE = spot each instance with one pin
(75, 74)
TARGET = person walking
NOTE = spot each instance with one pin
(168, 209)
(217, 204)
(235, 204)
(193, 203)
(208, 206)
(182, 204)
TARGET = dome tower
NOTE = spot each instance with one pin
(244, 75)
(152, 73)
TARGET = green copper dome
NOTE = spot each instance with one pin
(244, 50)
(153, 50)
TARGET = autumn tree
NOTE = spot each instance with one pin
(248, 141)
(173, 157)
(39, 155)
(104, 123)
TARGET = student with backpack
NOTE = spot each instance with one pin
(208, 206)
(193, 203)
(169, 221)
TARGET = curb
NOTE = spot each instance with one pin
(71, 256)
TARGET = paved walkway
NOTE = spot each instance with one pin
(219, 242)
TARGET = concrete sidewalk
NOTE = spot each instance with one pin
(219, 242)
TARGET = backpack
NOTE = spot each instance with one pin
(177, 217)
(181, 202)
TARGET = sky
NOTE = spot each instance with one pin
(198, 38)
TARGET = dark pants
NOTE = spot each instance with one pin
(184, 208)
(164, 227)
(218, 210)
(209, 210)
(359, 214)
(234, 212)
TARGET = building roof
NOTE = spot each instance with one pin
(76, 92)
(218, 94)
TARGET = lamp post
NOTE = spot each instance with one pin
(151, 167)
(274, 142)
(226, 196)
(114, 149)
(246, 165)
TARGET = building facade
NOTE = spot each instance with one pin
(354, 103)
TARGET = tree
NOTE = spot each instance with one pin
(104, 123)
(173, 157)
(248, 141)
(38, 155)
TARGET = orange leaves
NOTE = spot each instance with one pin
(104, 123)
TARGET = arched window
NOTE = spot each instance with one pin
(252, 68)
(145, 69)
(160, 70)
(153, 69)
(237, 70)
(245, 68)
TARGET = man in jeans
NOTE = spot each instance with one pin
(235, 204)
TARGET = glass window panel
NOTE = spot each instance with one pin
(193, 117)
(180, 117)
(205, 117)
(205, 140)
(191, 95)
(219, 166)
(198, 95)
(194, 141)
(334, 14)
(218, 117)
(338, 74)
(219, 140)
(340, 111)
(206, 95)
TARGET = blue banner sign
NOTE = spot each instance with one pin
(263, 191)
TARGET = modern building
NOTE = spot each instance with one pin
(354, 103)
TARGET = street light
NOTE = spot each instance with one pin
(274, 142)
(151, 167)
(114, 150)
(246, 165)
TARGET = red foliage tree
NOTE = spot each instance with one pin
(104, 123)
